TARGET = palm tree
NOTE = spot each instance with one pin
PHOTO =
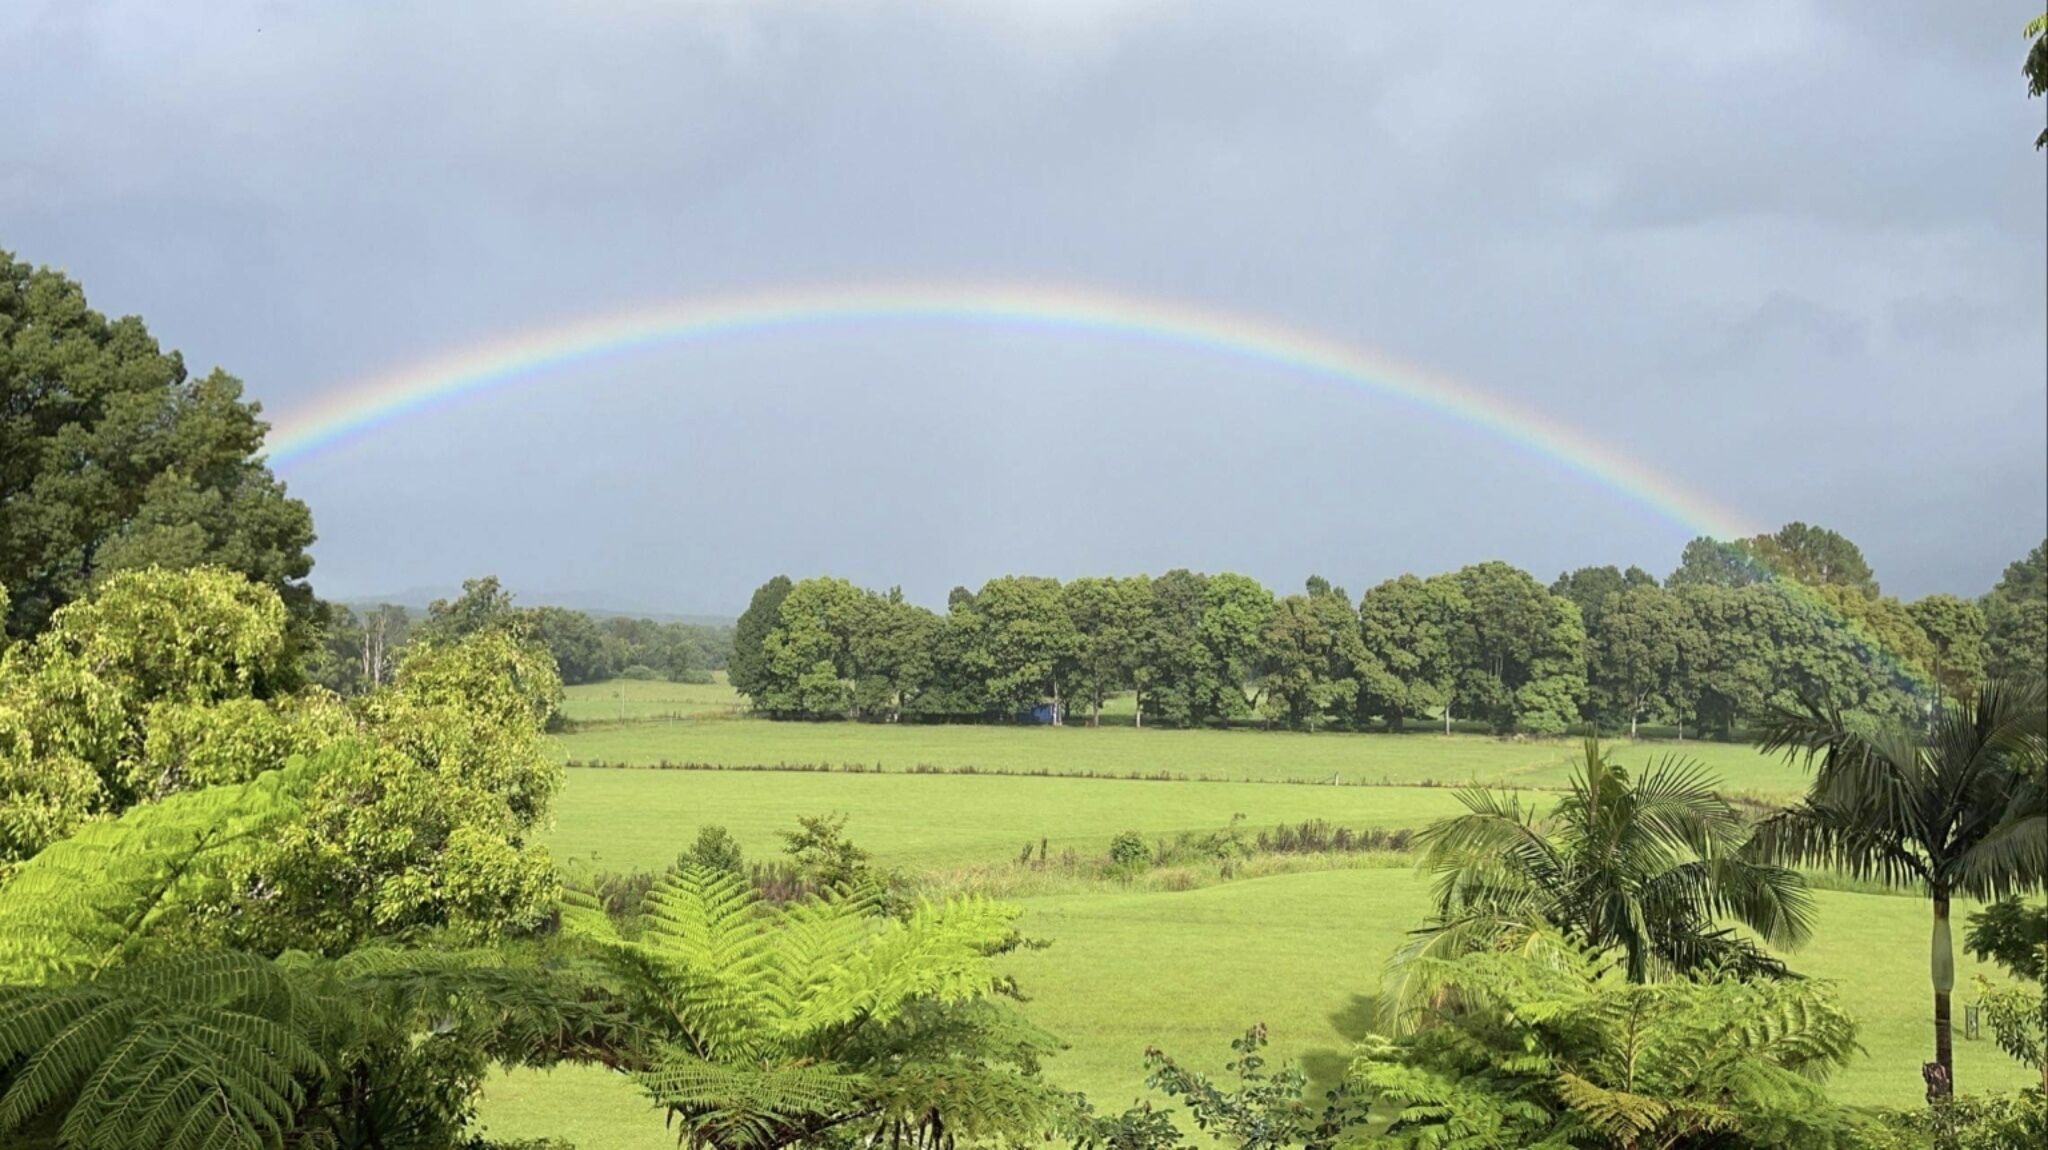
(1954, 809)
(1650, 866)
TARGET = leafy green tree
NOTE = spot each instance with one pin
(1639, 649)
(1814, 556)
(824, 857)
(1109, 617)
(1955, 631)
(748, 671)
(2013, 932)
(1651, 866)
(716, 849)
(1707, 562)
(1589, 587)
(2016, 618)
(1519, 651)
(1542, 1044)
(808, 665)
(77, 703)
(773, 1026)
(1177, 674)
(1030, 641)
(1407, 626)
(484, 605)
(358, 652)
(1956, 809)
(113, 458)
(579, 649)
(1312, 658)
(890, 652)
(121, 1019)
(1235, 611)
(428, 823)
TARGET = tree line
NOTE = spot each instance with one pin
(359, 649)
(1790, 618)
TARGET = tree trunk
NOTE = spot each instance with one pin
(1941, 1079)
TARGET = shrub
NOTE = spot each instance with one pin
(639, 671)
(717, 849)
(1128, 851)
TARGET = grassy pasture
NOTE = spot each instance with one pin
(1188, 971)
(1131, 967)
(640, 700)
(625, 819)
(1215, 754)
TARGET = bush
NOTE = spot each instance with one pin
(1976, 1122)
(639, 671)
(716, 849)
(1129, 851)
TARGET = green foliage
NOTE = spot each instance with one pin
(1544, 1044)
(749, 668)
(1312, 658)
(126, 887)
(824, 857)
(2016, 615)
(770, 1026)
(1129, 851)
(1955, 630)
(1975, 1122)
(199, 1052)
(2036, 67)
(113, 458)
(2013, 932)
(101, 708)
(1648, 865)
(1638, 652)
(716, 849)
(1957, 809)
(1261, 1110)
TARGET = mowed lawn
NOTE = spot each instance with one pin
(1416, 757)
(628, 819)
(1302, 953)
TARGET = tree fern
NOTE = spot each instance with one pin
(1544, 1045)
(774, 1024)
(198, 1051)
(95, 899)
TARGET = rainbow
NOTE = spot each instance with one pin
(361, 407)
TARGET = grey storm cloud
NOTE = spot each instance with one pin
(1788, 253)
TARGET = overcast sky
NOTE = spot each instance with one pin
(1789, 253)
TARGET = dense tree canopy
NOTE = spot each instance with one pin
(113, 458)
(1719, 646)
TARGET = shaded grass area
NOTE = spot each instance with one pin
(1418, 757)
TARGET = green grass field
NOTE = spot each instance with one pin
(1216, 754)
(626, 819)
(1184, 970)
(631, 700)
